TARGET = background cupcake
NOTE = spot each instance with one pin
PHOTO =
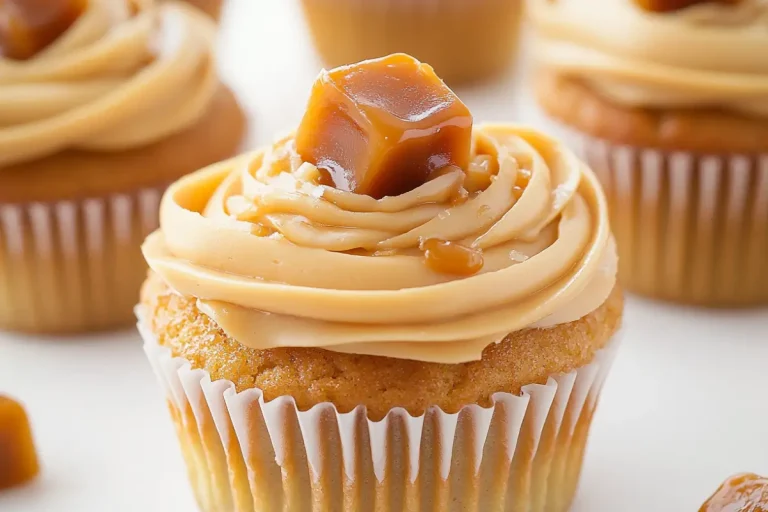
(464, 41)
(93, 127)
(671, 111)
(211, 7)
(441, 347)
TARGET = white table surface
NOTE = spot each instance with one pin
(683, 408)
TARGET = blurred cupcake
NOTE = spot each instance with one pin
(463, 41)
(327, 345)
(211, 7)
(93, 128)
(670, 108)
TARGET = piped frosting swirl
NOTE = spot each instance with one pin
(277, 259)
(117, 79)
(708, 55)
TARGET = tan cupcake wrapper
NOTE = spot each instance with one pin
(690, 228)
(74, 265)
(212, 8)
(463, 40)
(246, 454)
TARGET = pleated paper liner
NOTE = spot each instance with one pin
(690, 228)
(463, 40)
(74, 265)
(524, 453)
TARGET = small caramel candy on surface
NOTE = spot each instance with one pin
(676, 5)
(745, 492)
(382, 127)
(18, 460)
(29, 26)
(451, 258)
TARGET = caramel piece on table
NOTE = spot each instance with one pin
(18, 460)
(29, 26)
(676, 5)
(382, 127)
(746, 492)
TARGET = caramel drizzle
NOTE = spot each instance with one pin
(441, 256)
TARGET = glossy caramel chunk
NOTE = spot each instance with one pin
(18, 460)
(745, 492)
(479, 174)
(29, 26)
(383, 127)
(451, 258)
(676, 5)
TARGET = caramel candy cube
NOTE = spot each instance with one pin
(382, 127)
(746, 492)
(18, 460)
(675, 5)
(28, 26)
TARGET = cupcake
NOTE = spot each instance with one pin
(464, 41)
(93, 127)
(388, 309)
(211, 7)
(669, 105)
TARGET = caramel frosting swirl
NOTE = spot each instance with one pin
(278, 259)
(117, 79)
(709, 55)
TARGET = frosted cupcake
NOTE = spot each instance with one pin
(387, 309)
(464, 40)
(211, 7)
(94, 125)
(668, 103)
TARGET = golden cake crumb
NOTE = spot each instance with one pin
(74, 173)
(698, 130)
(312, 375)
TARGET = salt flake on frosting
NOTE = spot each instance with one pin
(517, 256)
(561, 195)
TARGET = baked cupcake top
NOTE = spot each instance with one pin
(122, 75)
(507, 231)
(705, 55)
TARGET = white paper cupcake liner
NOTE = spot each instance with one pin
(690, 227)
(244, 453)
(74, 265)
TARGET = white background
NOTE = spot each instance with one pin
(684, 406)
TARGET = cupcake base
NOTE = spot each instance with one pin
(73, 265)
(71, 225)
(687, 192)
(211, 7)
(690, 227)
(244, 453)
(463, 41)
